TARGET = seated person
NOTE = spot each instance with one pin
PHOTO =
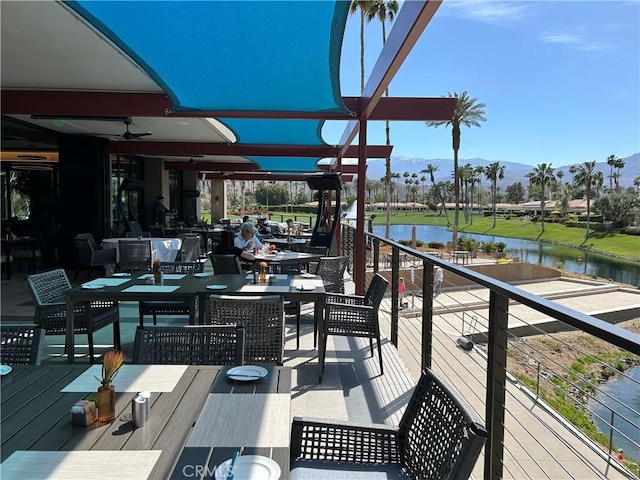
(290, 227)
(246, 239)
(227, 247)
(262, 227)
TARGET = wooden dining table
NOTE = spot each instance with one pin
(195, 289)
(198, 419)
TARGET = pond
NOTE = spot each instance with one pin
(571, 259)
(622, 395)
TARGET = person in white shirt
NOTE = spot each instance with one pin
(246, 238)
(437, 281)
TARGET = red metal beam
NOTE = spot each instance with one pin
(148, 147)
(203, 166)
(54, 103)
(262, 176)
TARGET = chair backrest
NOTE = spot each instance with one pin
(331, 270)
(21, 344)
(137, 234)
(438, 436)
(225, 264)
(156, 231)
(262, 318)
(190, 248)
(182, 267)
(284, 268)
(88, 237)
(375, 292)
(134, 255)
(48, 287)
(84, 251)
(189, 345)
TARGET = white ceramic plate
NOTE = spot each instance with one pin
(201, 275)
(122, 274)
(4, 369)
(247, 373)
(307, 275)
(306, 288)
(249, 467)
(216, 287)
(93, 286)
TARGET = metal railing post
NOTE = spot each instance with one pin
(496, 385)
(395, 264)
(376, 255)
(427, 314)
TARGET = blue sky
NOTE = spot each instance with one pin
(560, 80)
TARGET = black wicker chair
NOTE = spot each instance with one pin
(47, 290)
(189, 345)
(223, 264)
(21, 344)
(190, 248)
(356, 316)
(438, 438)
(290, 308)
(262, 318)
(169, 307)
(331, 270)
(88, 255)
(134, 255)
(137, 235)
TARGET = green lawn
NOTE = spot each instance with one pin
(612, 243)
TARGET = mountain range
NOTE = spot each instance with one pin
(513, 172)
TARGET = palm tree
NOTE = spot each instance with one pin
(494, 172)
(542, 176)
(468, 113)
(611, 161)
(589, 178)
(479, 172)
(431, 170)
(383, 11)
(618, 164)
(363, 6)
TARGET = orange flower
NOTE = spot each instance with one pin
(111, 363)
(263, 264)
(156, 262)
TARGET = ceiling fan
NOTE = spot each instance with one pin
(130, 135)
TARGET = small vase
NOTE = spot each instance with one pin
(106, 404)
(263, 275)
(157, 276)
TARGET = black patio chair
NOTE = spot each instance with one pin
(223, 264)
(134, 255)
(169, 307)
(47, 290)
(355, 315)
(290, 307)
(189, 345)
(89, 255)
(438, 438)
(21, 344)
(262, 318)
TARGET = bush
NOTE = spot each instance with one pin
(629, 230)
(436, 245)
(468, 244)
(407, 243)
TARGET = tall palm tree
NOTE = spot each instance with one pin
(494, 172)
(362, 6)
(468, 113)
(618, 164)
(590, 179)
(611, 161)
(479, 171)
(383, 11)
(542, 176)
(431, 170)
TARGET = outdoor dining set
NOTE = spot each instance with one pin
(217, 387)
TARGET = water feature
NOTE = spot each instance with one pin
(571, 259)
(616, 395)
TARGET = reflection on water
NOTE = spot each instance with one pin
(570, 259)
(621, 395)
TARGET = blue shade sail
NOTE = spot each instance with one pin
(275, 131)
(232, 55)
(286, 164)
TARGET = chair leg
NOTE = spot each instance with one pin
(371, 345)
(155, 319)
(380, 355)
(324, 357)
(298, 331)
(90, 338)
(117, 344)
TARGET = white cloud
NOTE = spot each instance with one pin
(572, 40)
(488, 11)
